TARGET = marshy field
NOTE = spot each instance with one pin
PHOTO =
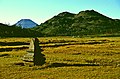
(66, 58)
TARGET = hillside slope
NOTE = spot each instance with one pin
(87, 22)
(14, 31)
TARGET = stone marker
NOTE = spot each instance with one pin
(34, 53)
(39, 58)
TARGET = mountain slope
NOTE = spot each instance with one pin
(26, 23)
(87, 22)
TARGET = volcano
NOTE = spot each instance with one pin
(26, 23)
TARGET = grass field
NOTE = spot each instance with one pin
(66, 58)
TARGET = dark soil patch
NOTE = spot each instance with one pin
(20, 64)
(4, 55)
(13, 43)
(10, 49)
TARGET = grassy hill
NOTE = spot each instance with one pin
(14, 31)
(87, 22)
(84, 23)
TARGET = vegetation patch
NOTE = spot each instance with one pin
(74, 61)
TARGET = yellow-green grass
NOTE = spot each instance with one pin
(75, 61)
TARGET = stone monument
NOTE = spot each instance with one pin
(39, 58)
(34, 53)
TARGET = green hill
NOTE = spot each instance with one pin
(84, 23)
(14, 31)
(87, 22)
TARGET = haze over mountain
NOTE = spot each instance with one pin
(87, 22)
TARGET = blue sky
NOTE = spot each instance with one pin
(41, 10)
